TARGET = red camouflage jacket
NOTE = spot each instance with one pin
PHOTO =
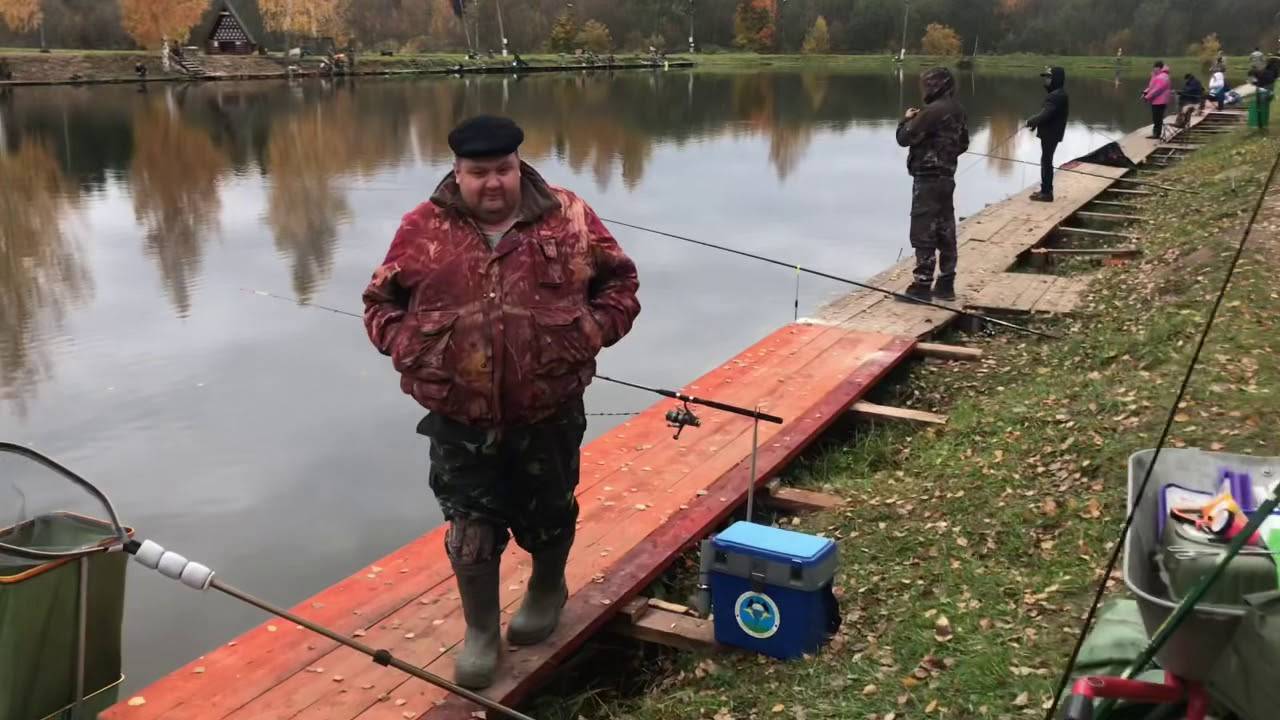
(500, 336)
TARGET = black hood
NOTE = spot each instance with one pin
(1057, 79)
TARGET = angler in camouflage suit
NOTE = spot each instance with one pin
(493, 302)
(937, 135)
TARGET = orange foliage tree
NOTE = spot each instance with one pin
(940, 40)
(21, 15)
(312, 18)
(151, 23)
(754, 26)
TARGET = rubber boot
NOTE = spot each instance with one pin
(540, 612)
(945, 288)
(1041, 197)
(477, 664)
(916, 291)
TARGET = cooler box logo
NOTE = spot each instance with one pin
(757, 615)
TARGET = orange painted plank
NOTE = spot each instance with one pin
(260, 660)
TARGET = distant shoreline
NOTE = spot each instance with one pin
(81, 67)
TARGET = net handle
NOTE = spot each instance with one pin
(26, 452)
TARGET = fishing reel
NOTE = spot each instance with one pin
(681, 418)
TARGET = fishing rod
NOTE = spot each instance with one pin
(1084, 172)
(678, 418)
(200, 577)
(1132, 515)
(837, 278)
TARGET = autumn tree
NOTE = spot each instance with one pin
(564, 34)
(753, 26)
(594, 36)
(308, 18)
(22, 16)
(1207, 50)
(152, 23)
(940, 40)
(818, 40)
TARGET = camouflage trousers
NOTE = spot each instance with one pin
(517, 480)
(933, 228)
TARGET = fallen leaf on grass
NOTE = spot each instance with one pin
(778, 708)
(870, 690)
(1022, 700)
(1049, 507)
(933, 705)
(1093, 510)
(942, 630)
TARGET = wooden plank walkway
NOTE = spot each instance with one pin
(645, 497)
(1031, 293)
(989, 244)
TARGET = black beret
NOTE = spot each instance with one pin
(485, 136)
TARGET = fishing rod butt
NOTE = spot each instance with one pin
(170, 564)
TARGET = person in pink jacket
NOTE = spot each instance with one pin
(1159, 91)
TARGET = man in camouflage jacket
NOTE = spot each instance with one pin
(937, 135)
(493, 302)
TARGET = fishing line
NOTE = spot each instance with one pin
(1164, 436)
(837, 278)
(1001, 144)
(687, 417)
(1085, 172)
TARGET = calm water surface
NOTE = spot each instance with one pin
(272, 442)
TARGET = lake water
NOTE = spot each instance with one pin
(272, 442)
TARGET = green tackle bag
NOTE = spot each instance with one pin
(1245, 677)
(60, 622)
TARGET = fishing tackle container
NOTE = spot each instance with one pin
(60, 622)
(771, 589)
(1192, 653)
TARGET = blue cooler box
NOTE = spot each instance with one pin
(771, 590)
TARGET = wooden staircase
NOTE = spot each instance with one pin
(187, 66)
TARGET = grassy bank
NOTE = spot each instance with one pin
(968, 552)
(1098, 65)
(28, 64)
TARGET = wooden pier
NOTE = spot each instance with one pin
(993, 241)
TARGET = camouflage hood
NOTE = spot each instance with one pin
(938, 83)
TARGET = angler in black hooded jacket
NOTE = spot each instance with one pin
(1050, 125)
(938, 135)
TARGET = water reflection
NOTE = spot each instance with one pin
(42, 273)
(300, 149)
(174, 177)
